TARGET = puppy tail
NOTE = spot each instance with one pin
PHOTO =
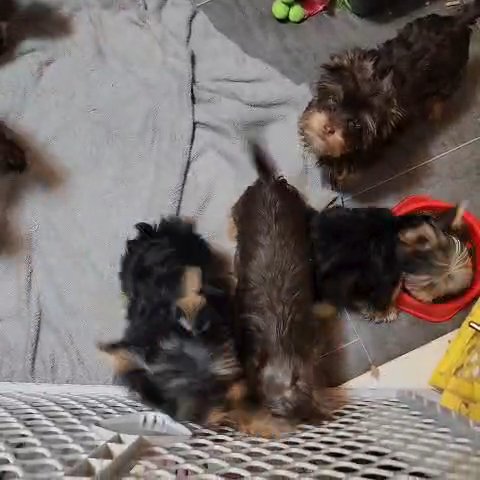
(469, 14)
(264, 165)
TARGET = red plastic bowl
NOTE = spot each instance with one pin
(440, 312)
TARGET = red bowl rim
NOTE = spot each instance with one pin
(440, 312)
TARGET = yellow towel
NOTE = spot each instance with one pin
(458, 373)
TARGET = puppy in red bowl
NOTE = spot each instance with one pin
(458, 277)
(376, 260)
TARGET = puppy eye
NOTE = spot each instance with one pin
(331, 101)
(353, 124)
(422, 243)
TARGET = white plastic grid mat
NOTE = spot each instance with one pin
(48, 436)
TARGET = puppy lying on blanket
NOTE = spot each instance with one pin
(178, 352)
(363, 256)
(277, 330)
(364, 96)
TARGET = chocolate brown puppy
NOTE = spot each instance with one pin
(364, 96)
(277, 331)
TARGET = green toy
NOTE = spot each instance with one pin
(296, 13)
(280, 9)
(289, 10)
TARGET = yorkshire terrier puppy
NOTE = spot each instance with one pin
(365, 95)
(364, 256)
(177, 352)
(12, 157)
(278, 334)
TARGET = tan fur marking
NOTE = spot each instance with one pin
(237, 392)
(315, 126)
(262, 424)
(232, 231)
(412, 236)
(191, 305)
(217, 417)
(324, 310)
(437, 109)
(191, 302)
(122, 361)
(458, 220)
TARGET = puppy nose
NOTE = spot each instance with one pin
(328, 129)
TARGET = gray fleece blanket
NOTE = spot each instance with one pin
(140, 112)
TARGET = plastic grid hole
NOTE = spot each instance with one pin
(376, 475)
(9, 472)
(298, 454)
(280, 474)
(362, 459)
(346, 467)
(302, 468)
(423, 473)
(329, 475)
(393, 466)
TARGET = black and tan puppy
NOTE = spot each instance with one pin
(178, 352)
(364, 256)
(278, 334)
(364, 96)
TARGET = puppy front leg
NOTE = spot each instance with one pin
(384, 314)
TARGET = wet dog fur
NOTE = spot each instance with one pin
(277, 329)
(364, 96)
(364, 256)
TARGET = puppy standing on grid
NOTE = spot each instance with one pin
(365, 95)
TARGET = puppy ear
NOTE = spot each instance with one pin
(144, 228)
(421, 238)
(452, 218)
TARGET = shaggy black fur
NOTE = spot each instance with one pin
(181, 363)
(363, 96)
(362, 255)
(279, 336)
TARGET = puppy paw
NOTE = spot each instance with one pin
(265, 425)
(381, 317)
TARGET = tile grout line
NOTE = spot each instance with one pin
(202, 3)
(411, 169)
(369, 358)
(341, 347)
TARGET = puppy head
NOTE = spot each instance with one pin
(352, 107)
(438, 264)
(155, 258)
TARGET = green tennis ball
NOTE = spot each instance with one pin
(296, 13)
(280, 10)
(288, 2)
